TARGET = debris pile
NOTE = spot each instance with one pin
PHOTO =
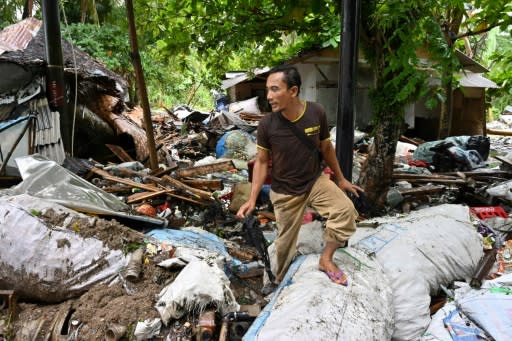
(173, 263)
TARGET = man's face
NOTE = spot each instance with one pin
(279, 95)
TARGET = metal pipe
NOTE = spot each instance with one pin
(55, 68)
(347, 82)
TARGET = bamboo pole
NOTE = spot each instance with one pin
(141, 85)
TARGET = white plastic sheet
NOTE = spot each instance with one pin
(419, 252)
(50, 263)
(489, 307)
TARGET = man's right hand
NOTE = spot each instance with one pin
(246, 209)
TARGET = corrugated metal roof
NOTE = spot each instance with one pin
(17, 36)
(476, 80)
(48, 141)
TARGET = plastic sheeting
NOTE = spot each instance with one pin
(450, 324)
(50, 262)
(46, 179)
(419, 252)
(194, 244)
(490, 307)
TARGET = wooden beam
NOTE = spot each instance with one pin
(499, 132)
(212, 185)
(106, 175)
(422, 190)
(136, 197)
(120, 153)
(187, 189)
(504, 160)
(407, 176)
(205, 169)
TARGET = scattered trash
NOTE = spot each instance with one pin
(197, 286)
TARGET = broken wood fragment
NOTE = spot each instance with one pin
(488, 172)
(137, 197)
(106, 175)
(241, 254)
(205, 169)
(504, 160)
(408, 140)
(443, 181)
(117, 189)
(407, 176)
(422, 190)
(168, 180)
(211, 185)
(120, 152)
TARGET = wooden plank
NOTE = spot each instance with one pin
(422, 190)
(106, 175)
(117, 189)
(187, 189)
(205, 169)
(119, 152)
(408, 140)
(136, 197)
(442, 181)
(167, 180)
(212, 185)
(406, 176)
(486, 172)
(499, 132)
(504, 160)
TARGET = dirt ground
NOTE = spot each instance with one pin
(119, 302)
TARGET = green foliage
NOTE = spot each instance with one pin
(109, 44)
(500, 60)
(11, 12)
(220, 31)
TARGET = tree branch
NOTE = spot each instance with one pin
(474, 33)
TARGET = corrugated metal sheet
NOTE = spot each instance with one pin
(17, 36)
(47, 141)
(476, 80)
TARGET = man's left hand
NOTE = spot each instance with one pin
(347, 186)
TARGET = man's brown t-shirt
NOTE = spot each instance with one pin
(295, 168)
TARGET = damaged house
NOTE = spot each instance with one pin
(96, 102)
(319, 71)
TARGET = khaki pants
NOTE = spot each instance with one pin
(328, 200)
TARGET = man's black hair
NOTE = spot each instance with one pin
(291, 75)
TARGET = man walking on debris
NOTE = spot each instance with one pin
(297, 177)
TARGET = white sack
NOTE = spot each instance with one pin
(50, 263)
(309, 306)
(197, 285)
(419, 252)
(502, 190)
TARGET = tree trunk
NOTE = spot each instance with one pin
(446, 114)
(376, 174)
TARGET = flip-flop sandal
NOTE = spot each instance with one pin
(338, 277)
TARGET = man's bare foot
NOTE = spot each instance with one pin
(327, 265)
(332, 271)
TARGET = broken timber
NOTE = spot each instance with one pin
(205, 169)
(120, 153)
(422, 190)
(149, 188)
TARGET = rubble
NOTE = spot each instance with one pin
(184, 268)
